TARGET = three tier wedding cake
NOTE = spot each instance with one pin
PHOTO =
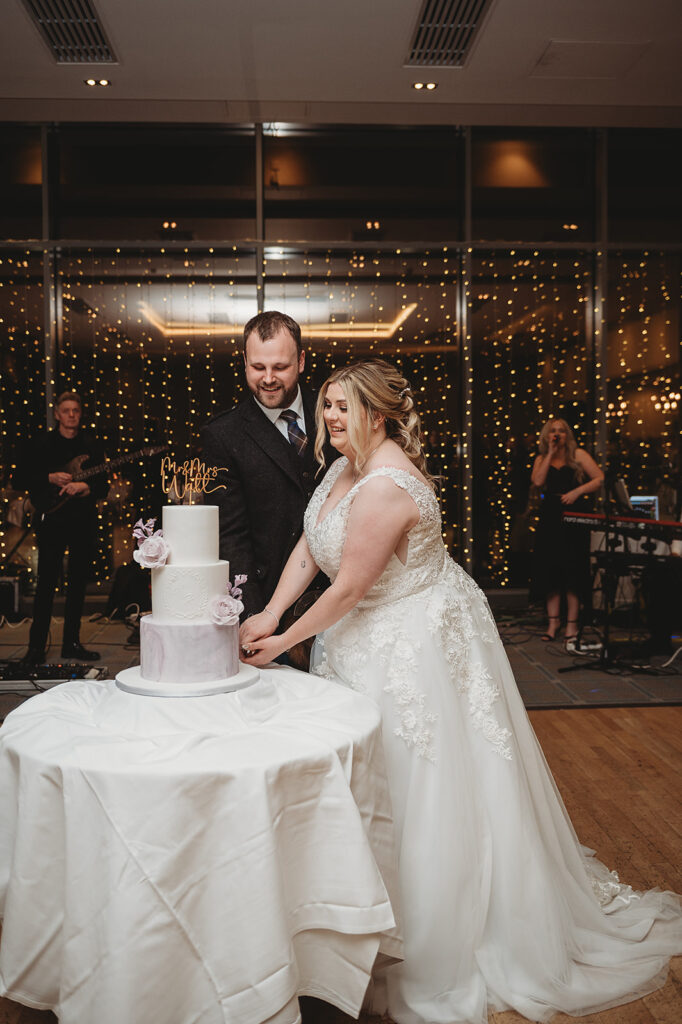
(189, 644)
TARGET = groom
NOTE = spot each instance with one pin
(266, 445)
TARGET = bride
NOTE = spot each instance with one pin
(501, 906)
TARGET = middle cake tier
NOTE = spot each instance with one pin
(183, 593)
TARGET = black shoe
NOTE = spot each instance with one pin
(33, 657)
(79, 652)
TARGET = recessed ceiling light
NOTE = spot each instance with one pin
(105, 82)
(431, 86)
(90, 81)
(417, 85)
(425, 85)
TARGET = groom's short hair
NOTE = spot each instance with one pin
(267, 324)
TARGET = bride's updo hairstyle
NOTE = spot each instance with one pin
(374, 388)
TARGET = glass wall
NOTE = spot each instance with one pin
(531, 362)
(385, 304)
(21, 179)
(644, 363)
(163, 240)
(23, 373)
(644, 195)
(533, 185)
(146, 182)
(362, 183)
(152, 342)
(22, 321)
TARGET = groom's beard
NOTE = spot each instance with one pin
(276, 397)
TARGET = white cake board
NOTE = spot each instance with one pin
(132, 681)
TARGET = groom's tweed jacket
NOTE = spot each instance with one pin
(267, 488)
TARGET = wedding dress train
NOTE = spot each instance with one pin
(501, 906)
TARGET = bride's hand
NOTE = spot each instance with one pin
(255, 627)
(262, 651)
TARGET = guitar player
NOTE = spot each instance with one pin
(66, 520)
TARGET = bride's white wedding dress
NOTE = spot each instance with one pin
(501, 906)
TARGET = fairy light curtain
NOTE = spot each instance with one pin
(528, 314)
(152, 340)
(644, 408)
(389, 304)
(152, 343)
(22, 387)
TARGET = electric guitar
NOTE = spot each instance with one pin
(74, 467)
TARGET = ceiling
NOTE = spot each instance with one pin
(533, 62)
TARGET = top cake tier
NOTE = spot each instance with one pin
(191, 532)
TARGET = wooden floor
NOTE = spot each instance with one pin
(619, 770)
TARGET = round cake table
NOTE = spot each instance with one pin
(199, 860)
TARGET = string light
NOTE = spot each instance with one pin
(22, 381)
(380, 286)
(530, 363)
(643, 412)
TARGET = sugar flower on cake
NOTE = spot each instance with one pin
(236, 588)
(152, 549)
(226, 609)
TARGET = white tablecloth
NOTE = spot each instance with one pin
(196, 860)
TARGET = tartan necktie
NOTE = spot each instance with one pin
(294, 432)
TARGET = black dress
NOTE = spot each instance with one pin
(561, 554)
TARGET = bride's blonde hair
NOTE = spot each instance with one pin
(373, 387)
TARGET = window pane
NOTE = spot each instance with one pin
(645, 199)
(363, 183)
(21, 176)
(396, 306)
(528, 315)
(22, 398)
(149, 182)
(533, 184)
(152, 342)
(22, 381)
(644, 410)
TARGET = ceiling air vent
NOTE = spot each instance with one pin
(445, 32)
(72, 30)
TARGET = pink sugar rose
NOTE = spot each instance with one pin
(225, 610)
(152, 552)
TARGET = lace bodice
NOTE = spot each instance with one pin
(425, 555)
(382, 625)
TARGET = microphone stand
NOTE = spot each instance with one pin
(604, 662)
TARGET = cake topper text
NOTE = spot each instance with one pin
(189, 478)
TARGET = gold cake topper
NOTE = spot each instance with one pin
(191, 477)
